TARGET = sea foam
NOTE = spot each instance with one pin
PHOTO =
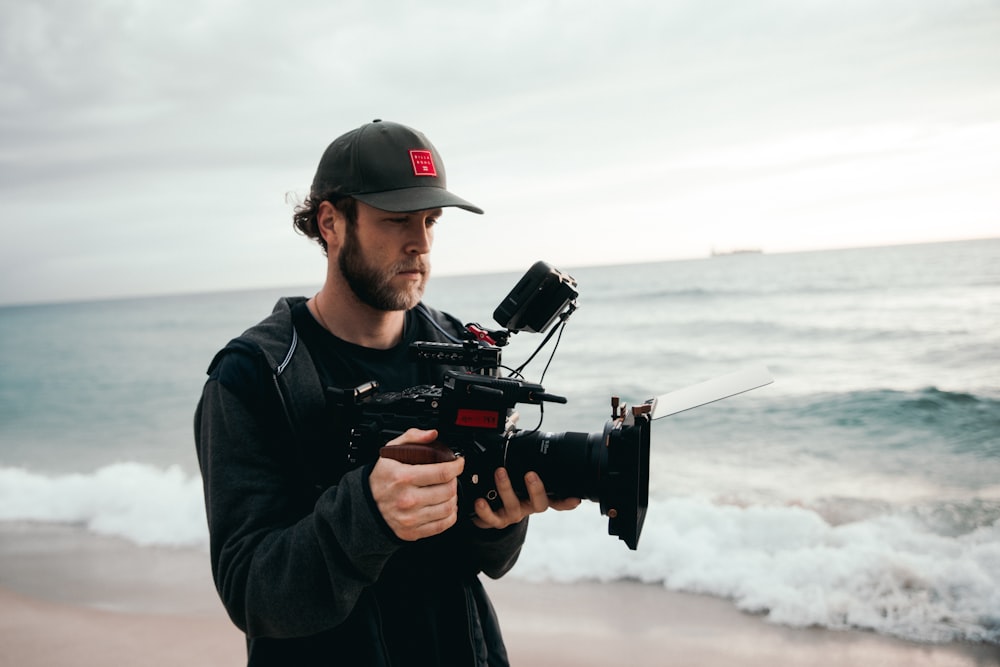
(887, 573)
(141, 503)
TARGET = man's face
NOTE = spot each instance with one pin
(385, 257)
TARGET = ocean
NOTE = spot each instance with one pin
(861, 490)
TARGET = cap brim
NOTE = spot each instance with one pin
(415, 199)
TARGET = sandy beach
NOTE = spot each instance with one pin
(68, 597)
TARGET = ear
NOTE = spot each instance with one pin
(327, 219)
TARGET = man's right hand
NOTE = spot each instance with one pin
(416, 501)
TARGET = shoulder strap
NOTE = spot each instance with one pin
(292, 370)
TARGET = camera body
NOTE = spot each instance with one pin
(475, 418)
(475, 415)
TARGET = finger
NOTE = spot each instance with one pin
(446, 510)
(426, 523)
(417, 514)
(564, 504)
(511, 503)
(433, 474)
(436, 494)
(414, 435)
(537, 498)
(485, 516)
(437, 527)
(428, 474)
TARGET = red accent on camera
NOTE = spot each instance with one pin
(480, 334)
(477, 418)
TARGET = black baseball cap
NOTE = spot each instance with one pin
(386, 165)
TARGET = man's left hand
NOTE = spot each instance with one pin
(515, 509)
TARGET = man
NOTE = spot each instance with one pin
(318, 561)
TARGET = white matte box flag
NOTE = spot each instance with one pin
(710, 391)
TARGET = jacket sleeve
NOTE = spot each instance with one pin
(282, 568)
(496, 551)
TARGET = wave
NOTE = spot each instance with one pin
(883, 570)
(147, 505)
(966, 423)
(887, 574)
(929, 399)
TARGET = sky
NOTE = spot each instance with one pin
(154, 147)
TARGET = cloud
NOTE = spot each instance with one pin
(148, 147)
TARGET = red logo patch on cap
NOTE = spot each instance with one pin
(423, 163)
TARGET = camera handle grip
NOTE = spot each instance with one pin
(416, 454)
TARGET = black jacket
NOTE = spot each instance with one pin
(303, 561)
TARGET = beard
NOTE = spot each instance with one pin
(372, 285)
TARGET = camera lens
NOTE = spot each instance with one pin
(570, 464)
(611, 468)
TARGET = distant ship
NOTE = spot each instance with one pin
(737, 251)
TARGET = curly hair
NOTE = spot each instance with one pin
(304, 217)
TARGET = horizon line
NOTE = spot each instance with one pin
(57, 301)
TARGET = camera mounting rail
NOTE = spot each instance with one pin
(484, 359)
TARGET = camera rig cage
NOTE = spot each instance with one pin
(474, 413)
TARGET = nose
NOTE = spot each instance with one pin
(421, 237)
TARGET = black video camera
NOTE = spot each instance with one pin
(474, 414)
